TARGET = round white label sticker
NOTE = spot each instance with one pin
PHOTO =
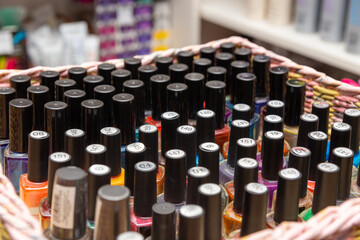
(39, 134)
(175, 153)
(309, 117)
(206, 113)
(274, 134)
(135, 147)
(247, 163)
(240, 123)
(273, 118)
(95, 148)
(256, 188)
(352, 112)
(99, 169)
(328, 167)
(241, 107)
(300, 151)
(199, 171)
(75, 132)
(276, 103)
(209, 146)
(148, 128)
(290, 173)
(186, 129)
(110, 131)
(246, 142)
(341, 126)
(191, 211)
(343, 152)
(210, 189)
(170, 115)
(318, 135)
(60, 157)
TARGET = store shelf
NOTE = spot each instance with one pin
(228, 14)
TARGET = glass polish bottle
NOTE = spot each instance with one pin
(170, 121)
(186, 140)
(90, 82)
(164, 222)
(236, 68)
(186, 57)
(163, 64)
(308, 123)
(73, 98)
(191, 222)
(105, 93)
(340, 137)
(352, 117)
(104, 70)
(134, 153)
(39, 95)
(132, 64)
(77, 74)
(243, 54)
(177, 94)
(92, 120)
(74, 142)
(145, 73)
(322, 110)
(61, 86)
(196, 177)
(201, 66)
(177, 72)
(195, 98)
(118, 78)
(20, 83)
(137, 89)
(48, 79)
(209, 53)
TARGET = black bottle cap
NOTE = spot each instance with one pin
(243, 54)
(210, 201)
(215, 101)
(294, 101)
(241, 111)
(255, 207)
(175, 176)
(273, 145)
(261, 67)
(77, 74)
(287, 200)
(246, 171)
(278, 77)
(308, 123)
(209, 53)
(239, 129)
(38, 156)
(144, 188)
(300, 159)
(134, 153)
(130, 236)
(132, 64)
(246, 83)
(69, 204)
(56, 160)
(322, 110)
(209, 158)
(272, 122)
(148, 135)
(124, 116)
(186, 141)
(158, 85)
(177, 72)
(110, 137)
(177, 100)
(164, 221)
(73, 99)
(196, 177)
(48, 79)
(317, 142)
(224, 60)
(137, 89)
(98, 176)
(105, 70)
(39, 95)
(246, 148)
(340, 137)
(75, 146)
(352, 117)
(20, 83)
(119, 77)
(186, 57)
(205, 126)
(145, 73)
(343, 158)
(105, 93)
(163, 64)
(216, 73)
(236, 68)
(61, 86)
(6, 95)
(201, 65)
(20, 124)
(325, 193)
(92, 119)
(191, 223)
(170, 121)
(228, 47)
(195, 97)
(275, 107)
(113, 216)
(90, 82)
(95, 154)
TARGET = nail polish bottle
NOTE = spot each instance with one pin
(186, 57)
(77, 74)
(205, 126)
(33, 185)
(145, 73)
(124, 106)
(209, 53)
(272, 162)
(352, 117)
(39, 95)
(186, 141)
(15, 154)
(74, 145)
(317, 142)
(343, 158)
(195, 95)
(134, 153)
(6, 95)
(308, 123)
(130, 236)
(61, 86)
(105, 70)
(322, 110)
(294, 108)
(48, 79)
(327, 178)
(98, 176)
(287, 201)
(196, 177)
(243, 54)
(224, 59)
(228, 47)
(20, 83)
(239, 129)
(210, 201)
(191, 223)
(261, 67)
(105, 93)
(158, 85)
(278, 77)
(201, 65)
(68, 219)
(90, 82)
(95, 154)
(275, 107)
(144, 197)
(73, 98)
(241, 111)
(56, 160)
(132, 64)
(177, 72)
(340, 137)
(112, 212)
(110, 137)
(246, 171)
(176, 96)
(164, 222)
(209, 158)
(163, 64)
(216, 73)
(119, 77)
(137, 89)
(236, 68)
(170, 121)
(92, 119)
